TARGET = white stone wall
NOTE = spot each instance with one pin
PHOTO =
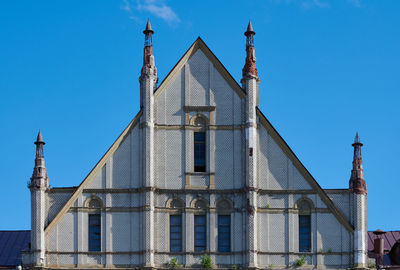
(118, 185)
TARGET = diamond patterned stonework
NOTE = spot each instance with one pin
(240, 196)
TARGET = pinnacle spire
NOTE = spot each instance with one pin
(357, 182)
(148, 28)
(39, 177)
(39, 139)
(357, 138)
(250, 64)
(249, 29)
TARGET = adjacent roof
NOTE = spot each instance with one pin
(11, 244)
(390, 237)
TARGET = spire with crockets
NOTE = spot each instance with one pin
(250, 64)
(357, 183)
(39, 177)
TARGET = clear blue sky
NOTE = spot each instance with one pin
(327, 70)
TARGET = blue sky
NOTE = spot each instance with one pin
(327, 70)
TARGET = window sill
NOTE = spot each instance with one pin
(199, 173)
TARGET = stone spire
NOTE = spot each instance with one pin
(250, 64)
(149, 67)
(357, 183)
(39, 177)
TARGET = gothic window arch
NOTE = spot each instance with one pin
(176, 205)
(94, 205)
(199, 142)
(200, 207)
(305, 207)
(224, 210)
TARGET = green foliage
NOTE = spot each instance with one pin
(301, 261)
(271, 266)
(237, 266)
(321, 250)
(206, 261)
(173, 263)
(268, 206)
(371, 264)
(330, 250)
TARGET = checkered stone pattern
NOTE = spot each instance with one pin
(99, 180)
(342, 201)
(121, 165)
(66, 232)
(278, 166)
(170, 102)
(329, 233)
(229, 105)
(135, 157)
(174, 159)
(162, 231)
(55, 201)
(160, 157)
(198, 79)
(277, 228)
(263, 231)
(94, 259)
(224, 159)
(200, 180)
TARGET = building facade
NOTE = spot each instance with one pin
(199, 170)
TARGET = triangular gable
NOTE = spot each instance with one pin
(305, 173)
(199, 44)
(94, 171)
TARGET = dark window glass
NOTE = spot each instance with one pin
(199, 233)
(224, 233)
(199, 151)
(94, 232)
(304, 233)
(175, 233)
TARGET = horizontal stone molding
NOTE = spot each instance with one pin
(198, 108)
(141, 252)
(195, 191)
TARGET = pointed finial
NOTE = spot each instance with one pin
(148, 28)
(249, 30)
(39, 139)
(357, 140)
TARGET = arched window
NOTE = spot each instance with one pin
(199, 139)
(200, 228)
(94, 224)
(175, 225)
(304, 206)
(224, 208)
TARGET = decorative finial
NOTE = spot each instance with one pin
(39, 139)
(250, 64)
(250, 30)
(357, 139)
(148, 28)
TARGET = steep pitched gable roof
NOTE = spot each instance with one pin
(94, 171)
(306, 174)
(200, 45)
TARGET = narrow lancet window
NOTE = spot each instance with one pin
(175, 233)
(224, 233)
(305, 208)
(199, 233)
(94, 232)
(199, 151)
